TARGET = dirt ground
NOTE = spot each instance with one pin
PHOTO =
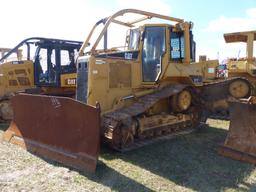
(186, 163)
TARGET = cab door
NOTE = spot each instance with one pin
(47, 67)
(153, 50)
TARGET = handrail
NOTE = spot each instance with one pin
(14, 50)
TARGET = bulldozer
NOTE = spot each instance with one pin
(48, 68)
(149, 89)
(245, 66)
(237, 67)
(240, 141)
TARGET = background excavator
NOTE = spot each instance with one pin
(240, 143)
(127, 96)
(48, 68)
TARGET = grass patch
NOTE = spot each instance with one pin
(186, 163)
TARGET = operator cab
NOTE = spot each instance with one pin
(152, 41)
(53, 59)
(155, 46)
(248, 63)
(50, 58)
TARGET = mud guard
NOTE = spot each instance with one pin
(240, 143)
(56, 128)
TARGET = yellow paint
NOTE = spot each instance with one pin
(16, 77)
(68, 80)
(101, 78)
(242, 65)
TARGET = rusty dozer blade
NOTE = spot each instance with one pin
(240, 143)
(56, 128)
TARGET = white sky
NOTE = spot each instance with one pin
(225, 24)
(72, 20)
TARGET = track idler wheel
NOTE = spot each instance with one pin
(123, 135)
(181, 101)
(239, 89)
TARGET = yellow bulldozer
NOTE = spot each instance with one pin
(245, 66)
(48, 68)
(240, 143)
(149, 88)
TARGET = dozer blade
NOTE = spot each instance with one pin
(240, 143)
(56, 128)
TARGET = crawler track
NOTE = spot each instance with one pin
(120, 127)
(118, 124)
(219, 90)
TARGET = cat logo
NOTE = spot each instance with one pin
(71, 81)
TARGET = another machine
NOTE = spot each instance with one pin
(48, 68)
(127, 96)
(237, 67)
(243, 67)
(240, 142)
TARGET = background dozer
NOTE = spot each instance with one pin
(240, 143)
(127, 96)
(245, 66)
(237, 67)
(48, 67)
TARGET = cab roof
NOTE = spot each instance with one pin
(238, 36)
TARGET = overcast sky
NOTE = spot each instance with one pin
(72, 19)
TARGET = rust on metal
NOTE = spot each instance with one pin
(240, 143)
(57, 128)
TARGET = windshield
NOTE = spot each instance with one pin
(153, 50)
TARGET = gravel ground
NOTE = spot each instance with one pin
(187, 163)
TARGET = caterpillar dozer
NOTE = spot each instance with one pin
(48, 68)
(240, 143)
(238, 67)
(128, 96)
(245, 66)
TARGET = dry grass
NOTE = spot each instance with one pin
(186, 163)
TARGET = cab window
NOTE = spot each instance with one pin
(152, 52)
(134, 37)
(177, 46)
